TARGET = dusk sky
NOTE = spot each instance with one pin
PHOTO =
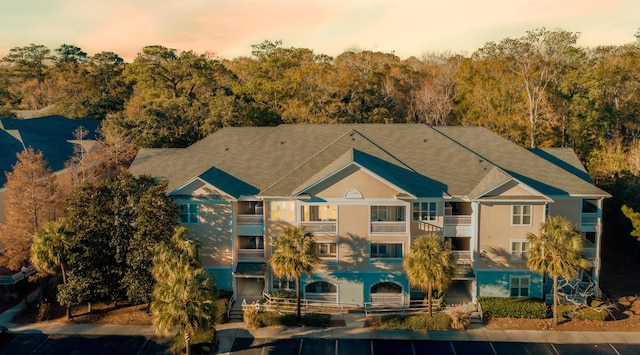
(227, 28)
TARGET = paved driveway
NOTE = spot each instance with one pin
(251, 346)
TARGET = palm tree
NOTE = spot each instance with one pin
(430, 265)
(184, 293)
(556, 250)
(294, 254)
(49, 252)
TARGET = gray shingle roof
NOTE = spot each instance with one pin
(424, 161)
(51, 135)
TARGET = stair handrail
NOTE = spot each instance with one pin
(232, 300)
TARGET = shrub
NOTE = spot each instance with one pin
(533, 308)
(250, 318)
(439, 321)
(202, 342)
(254, 318)
(460, 320)
(583, 313)
(220, 314)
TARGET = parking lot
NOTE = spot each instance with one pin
(251, 346)
(41, 344)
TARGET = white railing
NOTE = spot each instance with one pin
(589, 253)
(17, 277)
(289, 305)
(232, 300)
(415, 306)
(250, 253)
(387, 299)
(388, 227)
(382, 262)
(589, 219)
(461, 220)
(462, 256)
(321, 227)
(250, 219)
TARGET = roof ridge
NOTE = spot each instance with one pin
(309, 159)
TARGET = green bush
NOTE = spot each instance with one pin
(254, 318)
(522, 307)
(203, 342)
(583, 313)
(220, 315)
(439, 321)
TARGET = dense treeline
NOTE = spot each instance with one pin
(539, 90)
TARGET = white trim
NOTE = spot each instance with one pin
(364, 169)
(522, 215)
(224, 194)
(528, 188)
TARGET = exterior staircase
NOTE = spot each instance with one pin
(235, 315)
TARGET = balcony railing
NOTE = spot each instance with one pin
(250, 219)
(389, 227)
(462, 256)
(457, 220)
(589, 219)
(321, 227)
(251, 253)
(589, 253)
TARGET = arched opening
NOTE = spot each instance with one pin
(388, 293)
(321, 291)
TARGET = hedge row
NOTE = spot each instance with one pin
(254, 318)
(533, 308)
(438, 321)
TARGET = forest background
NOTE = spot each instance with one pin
(538, 90)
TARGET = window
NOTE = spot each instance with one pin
(283, 284)
(283, 211)
(424, 211)
(327, 250)
(521, 215)
(189, 213)
(519, 250)
(379, 213)
(318, 213)
(519, 286)
(386, 250)
(387, 213)
(320, 287)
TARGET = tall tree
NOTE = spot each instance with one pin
(534, 63)
(430, 265)
(113, 227)
(30, 203)
(30, 62)
(184, 293)
(293, 255)
(557, 251)
(50, 252)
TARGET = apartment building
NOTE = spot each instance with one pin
(366, 191)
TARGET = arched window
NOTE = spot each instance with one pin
(321, 291)
(386, 287)
(387, 293)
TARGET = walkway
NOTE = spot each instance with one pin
(353, 329)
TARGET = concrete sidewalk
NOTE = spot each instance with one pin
(354, 329)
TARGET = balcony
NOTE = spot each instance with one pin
(321, 228)
(250, 224)
(250, 253)
(589, 250)
(462, 256)
(589, 221)
(384, 227)
(457, 225)
(250, 219)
